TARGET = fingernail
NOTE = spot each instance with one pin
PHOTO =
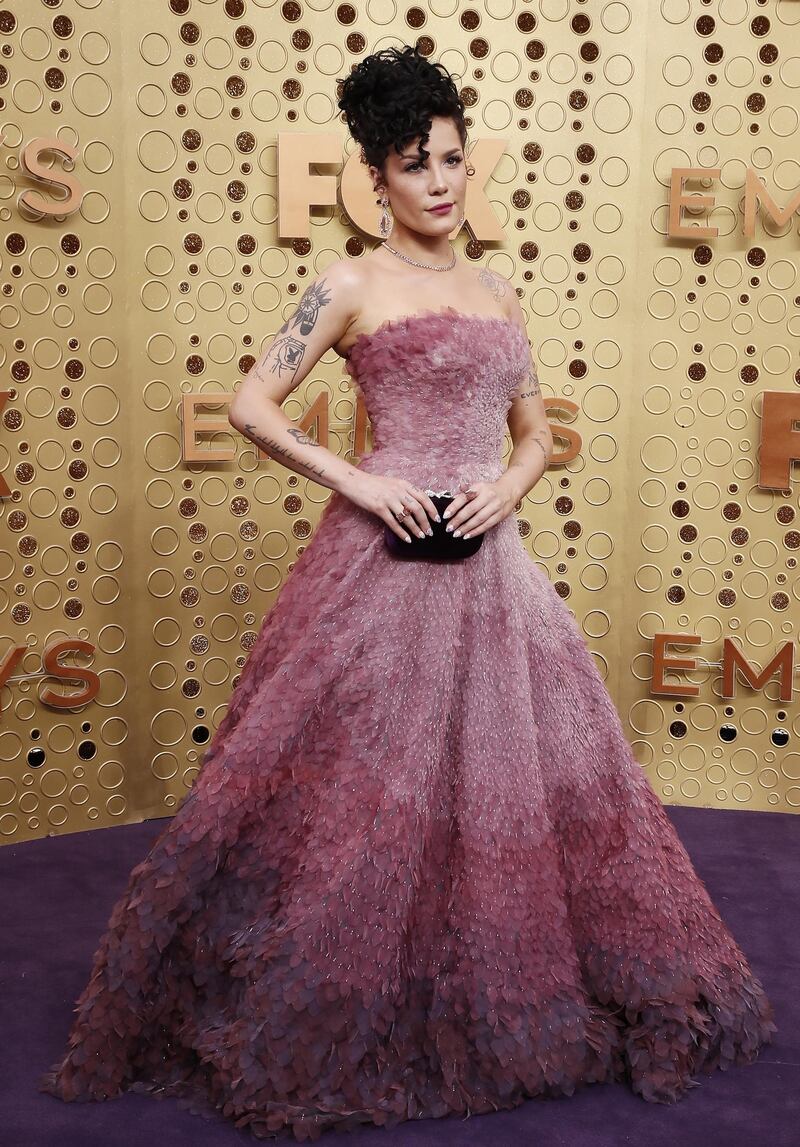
(408, 539)
(438, 519)
(447, 513)
(457, 534)
(430, 533)
(449, 528)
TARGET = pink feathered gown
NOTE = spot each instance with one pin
(420, 872)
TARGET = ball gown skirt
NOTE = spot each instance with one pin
(420, 872)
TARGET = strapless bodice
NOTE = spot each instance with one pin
(437, 386)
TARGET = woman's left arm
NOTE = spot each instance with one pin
(476, 508)
(527, 421)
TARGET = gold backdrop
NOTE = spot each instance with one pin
(153, 241)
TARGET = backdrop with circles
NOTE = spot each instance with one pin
(138, 579)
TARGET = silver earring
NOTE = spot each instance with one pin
(385, 225)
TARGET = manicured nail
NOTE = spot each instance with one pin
(438, 519)
(408, 539)
(447, 513)
(466, 535)
(457, 534)
(448, 528)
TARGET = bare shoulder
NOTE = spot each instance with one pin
(328, 305)
(338, 287)
(504, 294)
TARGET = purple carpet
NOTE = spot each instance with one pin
(57, 898)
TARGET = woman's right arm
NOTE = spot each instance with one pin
(320, 320)
(326, 310)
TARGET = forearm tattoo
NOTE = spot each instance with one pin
(275, 450)
(522, 463)
(285, 355)
(542, 446)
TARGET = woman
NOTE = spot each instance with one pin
(420, 872)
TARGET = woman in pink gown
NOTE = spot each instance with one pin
(420, 872)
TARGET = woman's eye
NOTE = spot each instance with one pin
(414, 166)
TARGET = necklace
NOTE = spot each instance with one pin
(426, 266)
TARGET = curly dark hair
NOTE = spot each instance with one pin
(389, 99)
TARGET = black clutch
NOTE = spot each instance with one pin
(441, 546)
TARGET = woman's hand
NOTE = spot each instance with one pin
(403, 506)
(477, 507)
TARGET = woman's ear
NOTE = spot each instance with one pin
(378, 178)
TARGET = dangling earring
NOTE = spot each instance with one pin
(385, 225)
(470, 172)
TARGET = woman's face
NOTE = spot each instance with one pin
(413, 185)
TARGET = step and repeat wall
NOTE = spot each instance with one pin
(175, 173)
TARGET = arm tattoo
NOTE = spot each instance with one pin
(307, 311)
(499, 288)
(285, 355)
(533, 381)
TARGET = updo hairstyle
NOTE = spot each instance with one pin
(389, 99)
